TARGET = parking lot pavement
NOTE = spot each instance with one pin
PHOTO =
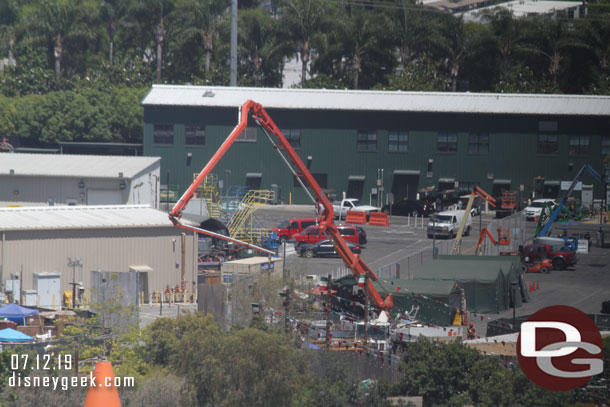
(584, 286)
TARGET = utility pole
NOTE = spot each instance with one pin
(329, 292)
(233, 51)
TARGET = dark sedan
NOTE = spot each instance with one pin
(408, 208)
(324, 248)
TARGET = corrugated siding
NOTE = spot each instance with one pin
(109, 250)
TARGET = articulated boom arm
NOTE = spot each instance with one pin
(298, 168)
(547, 227)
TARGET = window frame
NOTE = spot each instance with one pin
(539, 144)
(579, 151)
(398, 142)
(156, 137)
(193, 128)
(363, 145)
(447, 142)
(295, 142)
(606, 145)
(477, 143)
(249, 135)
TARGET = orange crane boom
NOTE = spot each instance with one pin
(299, 169)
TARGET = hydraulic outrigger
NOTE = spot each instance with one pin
(296, 166)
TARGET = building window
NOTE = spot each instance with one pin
(194, 135)
(580, 145)
(163, 134)
(478, 143)
(367, 141)
(547, 144)
(605, 145)
(248, 135)
(446, 143)
(293, 136)
(398, 142)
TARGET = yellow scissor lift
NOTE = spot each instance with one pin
(242, 224)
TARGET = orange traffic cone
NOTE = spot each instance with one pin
(103, 393)
(537, 285)
(531, 287)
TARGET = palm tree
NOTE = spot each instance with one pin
(57, 20)
(262, 46)
(115, 14)
(507, 31)
(199, 18)
(307, 22)
(461, 42)
(595, 35)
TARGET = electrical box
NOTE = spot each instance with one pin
(48, 286)
(13, 286)
(30, 298)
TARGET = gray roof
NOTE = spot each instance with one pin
(69, 165)
(524, 8)
(82, 217)
(323, 99)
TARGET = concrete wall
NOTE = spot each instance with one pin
(99, 249)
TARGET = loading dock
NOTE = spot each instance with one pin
(355, 186)
(405, 184)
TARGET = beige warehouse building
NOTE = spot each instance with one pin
(57, 179)
(126, 238)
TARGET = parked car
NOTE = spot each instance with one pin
(558, 257)
(535, 208)
(291, 227)
(351, 204)
(324, 248)
(446, 224)
(408, 207)
(313, 234)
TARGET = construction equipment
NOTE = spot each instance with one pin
(503, 239)
(540, 266)
(300, 171)
(546, 229)
(508, 204)
(475, 192)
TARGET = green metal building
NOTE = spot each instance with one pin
(353, 140)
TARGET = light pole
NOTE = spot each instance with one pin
(74, 264)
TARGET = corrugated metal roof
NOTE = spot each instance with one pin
(524, 8)
(81, 217)
(493, 103)
(68, 165)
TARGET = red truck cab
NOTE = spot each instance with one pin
(291, 227)
(559, 258)
(313, 234)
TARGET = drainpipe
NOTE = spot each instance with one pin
(182, 265)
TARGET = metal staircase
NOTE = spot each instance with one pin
(208, 191)
(242, 223)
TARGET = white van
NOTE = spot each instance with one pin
(447, 223)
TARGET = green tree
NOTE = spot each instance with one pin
(307, 23)
(114, 15)
(58, 21)
(262, 48)
(198, 19)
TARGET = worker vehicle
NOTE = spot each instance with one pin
(477, 205)
(407, 207)
(540, 266)
(351, 204)
(502, 240)
(560, 259)
(508, 204)
(534, 210)
(314, 234)
(570, 242)
(290, 227)
(446, 224)
(324, 248)
(281, 145)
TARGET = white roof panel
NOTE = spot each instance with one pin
(68, 165)
(81, 217)
(322, 99)
(524, 8)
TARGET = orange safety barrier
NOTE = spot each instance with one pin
(355, 217)
(379, 219)
(104, 393)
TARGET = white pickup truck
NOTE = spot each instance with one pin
(351, 204)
